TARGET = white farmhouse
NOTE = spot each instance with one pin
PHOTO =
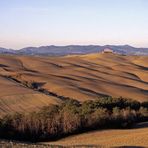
(107, 50)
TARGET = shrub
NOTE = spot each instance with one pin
(87, 107)
(143, 114)
(144, 104)
(97, 119)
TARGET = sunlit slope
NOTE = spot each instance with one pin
(15, 97)
(90, 76)
(78, 77)
(109, 138)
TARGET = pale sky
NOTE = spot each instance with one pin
(64, 22)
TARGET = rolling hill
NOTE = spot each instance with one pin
(80, 77)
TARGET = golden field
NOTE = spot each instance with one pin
(80, 77)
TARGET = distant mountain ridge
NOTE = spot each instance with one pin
(75, 49)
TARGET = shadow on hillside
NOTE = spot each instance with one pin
(2, 65)
(141, 125)
(141, 67)
(92, 92)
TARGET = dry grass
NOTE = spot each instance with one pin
(78, 77)
(109, 138)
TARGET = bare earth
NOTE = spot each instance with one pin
(79, 77)
(109, 138)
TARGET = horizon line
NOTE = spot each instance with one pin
(74, 45)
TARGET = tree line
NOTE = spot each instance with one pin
(55, 121)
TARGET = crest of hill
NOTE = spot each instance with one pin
(80, 77)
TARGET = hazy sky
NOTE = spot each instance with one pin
(62, 22)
